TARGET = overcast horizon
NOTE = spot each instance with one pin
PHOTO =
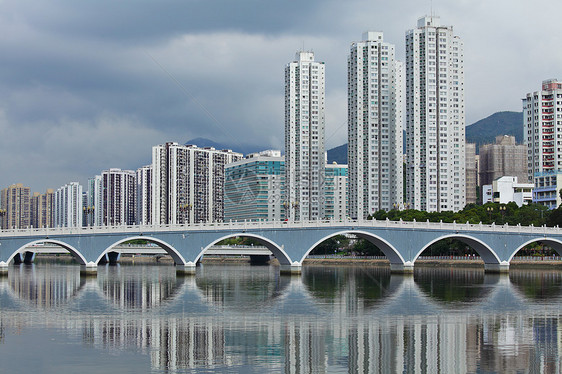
(89, 86)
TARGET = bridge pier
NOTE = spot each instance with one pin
(188, 269)
(110, 258)
(291, 269)
(89, 270)
(17, 259)
(502, 267)
(405, 268)
(28, 257)
(259, 259)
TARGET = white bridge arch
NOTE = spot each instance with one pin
(402, 242)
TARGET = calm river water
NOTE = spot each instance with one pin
(249, 319)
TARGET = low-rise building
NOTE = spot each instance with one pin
(547, 189)
(507, 189)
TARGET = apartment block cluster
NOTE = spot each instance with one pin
(437, 170)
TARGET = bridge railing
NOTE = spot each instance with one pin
(249, 225)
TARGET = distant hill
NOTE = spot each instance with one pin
(241, 148)
(480, 132)
(500, 123)
(338, 154)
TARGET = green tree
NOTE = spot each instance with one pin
(332, 245)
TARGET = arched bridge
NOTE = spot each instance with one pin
(290, 242)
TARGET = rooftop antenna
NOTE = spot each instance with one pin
(431, 8)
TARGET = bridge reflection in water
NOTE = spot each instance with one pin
(252, 319)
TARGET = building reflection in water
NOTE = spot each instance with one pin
(46, 286)
(139, 287)
(460, 332)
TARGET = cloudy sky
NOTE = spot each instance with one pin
(90, 85)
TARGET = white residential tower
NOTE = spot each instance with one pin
(375, 102)
(435, 118)
(304, 138)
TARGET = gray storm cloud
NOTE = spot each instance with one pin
(86, 86)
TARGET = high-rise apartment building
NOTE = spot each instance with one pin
(471, 174)
(542, 126)
(93, 211)
(118, 197)
(336, 191)
(188, 183)
(375, 158)
(253, 188)
(505, 158)
(15, 207)
(42, 209)
(111, 198)
(144, 195)
(304, 137)
(435, 117)
(68, 205)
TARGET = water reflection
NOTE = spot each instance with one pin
(537, 285)
(43, 287)
(235, 288)
(250, 319)
(365, 285)
(139, 287)
(455, 285)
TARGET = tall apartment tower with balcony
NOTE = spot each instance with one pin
(304, 138)
(111, 198)
(435, 118)
(42, 209)
(15, 207)
(144, 195)
(188, 183)
(542, 121)
(93, 212)
(375, 124)
(118, 197)
(68, 206)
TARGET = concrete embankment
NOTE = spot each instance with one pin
(518, 264)
(347, 261)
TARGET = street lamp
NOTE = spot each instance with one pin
(502, 210)
(490, 209)
(88, 210)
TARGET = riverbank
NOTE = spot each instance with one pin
(354, 261)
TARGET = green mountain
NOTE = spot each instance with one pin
(236, 147)
(338, 154)
(480, 132)
(500, 123)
